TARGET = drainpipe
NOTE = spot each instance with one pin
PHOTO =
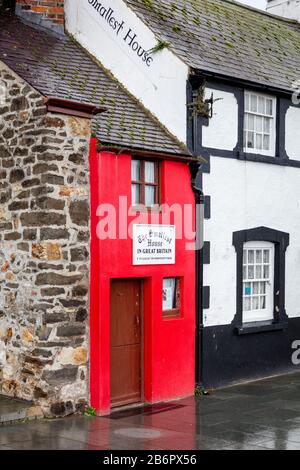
(199, 199)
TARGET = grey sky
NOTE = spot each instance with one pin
(255, 3)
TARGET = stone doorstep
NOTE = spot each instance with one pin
(12, 411)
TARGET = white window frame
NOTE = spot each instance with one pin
(267, 313)
(271, 152)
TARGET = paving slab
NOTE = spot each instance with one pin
(12, 410)
(263, 415)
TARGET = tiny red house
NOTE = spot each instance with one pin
(142, 326)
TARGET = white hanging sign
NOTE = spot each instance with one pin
(154, 244)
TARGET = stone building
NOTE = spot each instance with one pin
(44, 273)
(52, 95)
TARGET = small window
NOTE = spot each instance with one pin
(171, 297)
(259, 124)
(258, 281)
(144, 183)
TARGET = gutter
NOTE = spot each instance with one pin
(188, 158)
(200, 74)
(72, 108)
(199, 199)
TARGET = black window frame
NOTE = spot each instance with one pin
(196, 123)
(281, 241)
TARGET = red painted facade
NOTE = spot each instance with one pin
(169, 344)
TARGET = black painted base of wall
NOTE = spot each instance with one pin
(229, 358)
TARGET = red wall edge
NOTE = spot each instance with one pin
(169, 345)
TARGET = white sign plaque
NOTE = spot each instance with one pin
(154, 244)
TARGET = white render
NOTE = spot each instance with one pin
(292, 126)
(161, 87)
(287, 8)
(222, 132)
(246, 195)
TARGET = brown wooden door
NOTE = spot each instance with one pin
(125, 342)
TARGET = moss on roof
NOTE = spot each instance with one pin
(59, 67)
(227, 38)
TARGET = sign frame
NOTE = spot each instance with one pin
(153, 244)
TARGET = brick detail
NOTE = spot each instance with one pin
(52, 10)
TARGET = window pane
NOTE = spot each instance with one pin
(267, 125)
(266, 142)
(269, 107)
(149, 195)
(258, 272)
(250, 140)
(135, 170)
(262, 302)
(253, 103)
(255, 303)
(251, 256)
(255, 287)
(258, 256)
(149, 172)
(266, 272)
(258, 141)
(259, 124)
(245, 139)
(247, 100)
(262, 287)
(247, 304)
(248, 288)
(266, 256)
(250, 122)
(261, 105)
(169, 294)
(135, 191)
(251, 272)
(244, 256)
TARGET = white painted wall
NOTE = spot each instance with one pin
(292, 126)
(222, 132)
(160, 86)
(286, 8)
(247, 195)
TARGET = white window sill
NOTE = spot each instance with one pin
(265, 153)
(260, 327)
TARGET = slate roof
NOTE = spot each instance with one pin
(58, 67)
(227, 38)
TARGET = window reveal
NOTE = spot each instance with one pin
(259, 124)
(258, 276)
(144, 183)
(171, 297)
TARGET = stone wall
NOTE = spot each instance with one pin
(44, 250)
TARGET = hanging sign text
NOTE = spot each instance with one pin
(154, 244)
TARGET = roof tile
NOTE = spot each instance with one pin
(227, 38)
(58, 67)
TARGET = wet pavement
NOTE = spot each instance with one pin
(256, 416)
(16, 410)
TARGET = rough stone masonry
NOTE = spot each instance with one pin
(44, 250)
